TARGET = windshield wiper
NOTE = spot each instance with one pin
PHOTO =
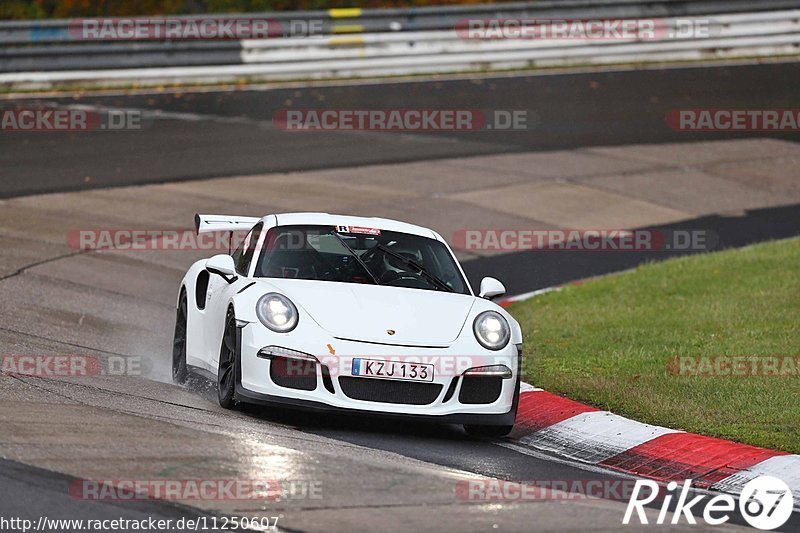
(436, 281)
(357, 258)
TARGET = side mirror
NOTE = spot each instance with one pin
(222, 265)
(490, 288)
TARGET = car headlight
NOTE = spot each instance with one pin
(277, 312)
(491, 330)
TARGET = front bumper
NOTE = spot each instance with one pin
(446, 398)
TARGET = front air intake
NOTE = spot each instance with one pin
(389, 391)
(480, 389)
(300, 374)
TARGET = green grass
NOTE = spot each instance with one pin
(609, 342)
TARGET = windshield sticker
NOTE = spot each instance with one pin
(358, 229)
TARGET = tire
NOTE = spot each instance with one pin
(477, 430)
(228, 370)
(179, 370)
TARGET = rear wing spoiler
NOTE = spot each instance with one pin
(209, 223)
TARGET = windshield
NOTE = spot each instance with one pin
(359, 255)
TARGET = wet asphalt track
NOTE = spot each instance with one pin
(29, 493)
(233, 134)
(528, 271)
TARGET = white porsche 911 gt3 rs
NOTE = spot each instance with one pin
(347, 313)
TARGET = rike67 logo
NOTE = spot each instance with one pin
(765, 503)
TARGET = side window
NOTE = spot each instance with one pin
(244, 254)
(237, 254)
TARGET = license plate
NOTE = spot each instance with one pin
(375, 368)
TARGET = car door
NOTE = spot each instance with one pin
(222, 292)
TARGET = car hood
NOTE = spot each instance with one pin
(367, 312)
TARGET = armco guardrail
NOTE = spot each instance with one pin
(353, 42)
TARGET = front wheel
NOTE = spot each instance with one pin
(179, 370)
(228, 364)
(477, 430)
